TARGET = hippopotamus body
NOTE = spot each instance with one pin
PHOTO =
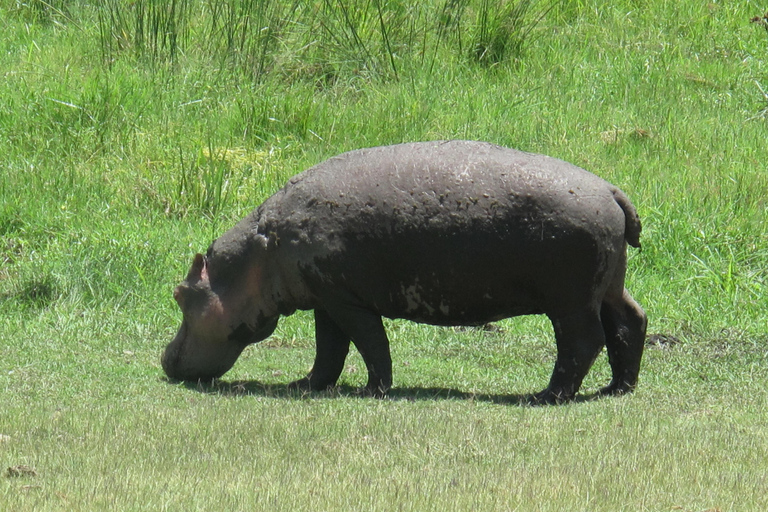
(446, 233)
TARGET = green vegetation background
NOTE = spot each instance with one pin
(134, 133)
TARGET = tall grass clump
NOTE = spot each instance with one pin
(246, 33)
(42, 11)
(503, 28)
(204, 181)
(320, 40)
(152, 29)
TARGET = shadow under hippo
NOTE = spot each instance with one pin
(447, 233)
(410, 394)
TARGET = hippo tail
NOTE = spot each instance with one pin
(632, 226)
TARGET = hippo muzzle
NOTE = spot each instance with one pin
(191, 359)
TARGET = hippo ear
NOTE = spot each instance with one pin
(198, 271)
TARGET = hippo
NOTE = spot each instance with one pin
(449, 233)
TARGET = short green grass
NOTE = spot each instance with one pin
(124, 153)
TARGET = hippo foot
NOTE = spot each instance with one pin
(617, 388)
(300, 385)
(306, 385)
(551, 397)
(373, 391)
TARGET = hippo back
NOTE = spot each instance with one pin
(446, 232)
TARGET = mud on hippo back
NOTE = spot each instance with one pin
(446, 233)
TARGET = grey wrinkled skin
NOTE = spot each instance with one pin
(444, 233)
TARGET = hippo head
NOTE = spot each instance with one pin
(221, 318)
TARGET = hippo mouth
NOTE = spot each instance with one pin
(189, 359)
(246, 335)
(185, 360)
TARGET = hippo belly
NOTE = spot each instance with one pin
(462, 280)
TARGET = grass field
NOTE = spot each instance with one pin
(133, 134)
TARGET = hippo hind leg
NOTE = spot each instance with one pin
(332, 345)
(580, 338)
(624, 323)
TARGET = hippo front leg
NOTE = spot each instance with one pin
(580, 338)
(366, 330)
(332, 347)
